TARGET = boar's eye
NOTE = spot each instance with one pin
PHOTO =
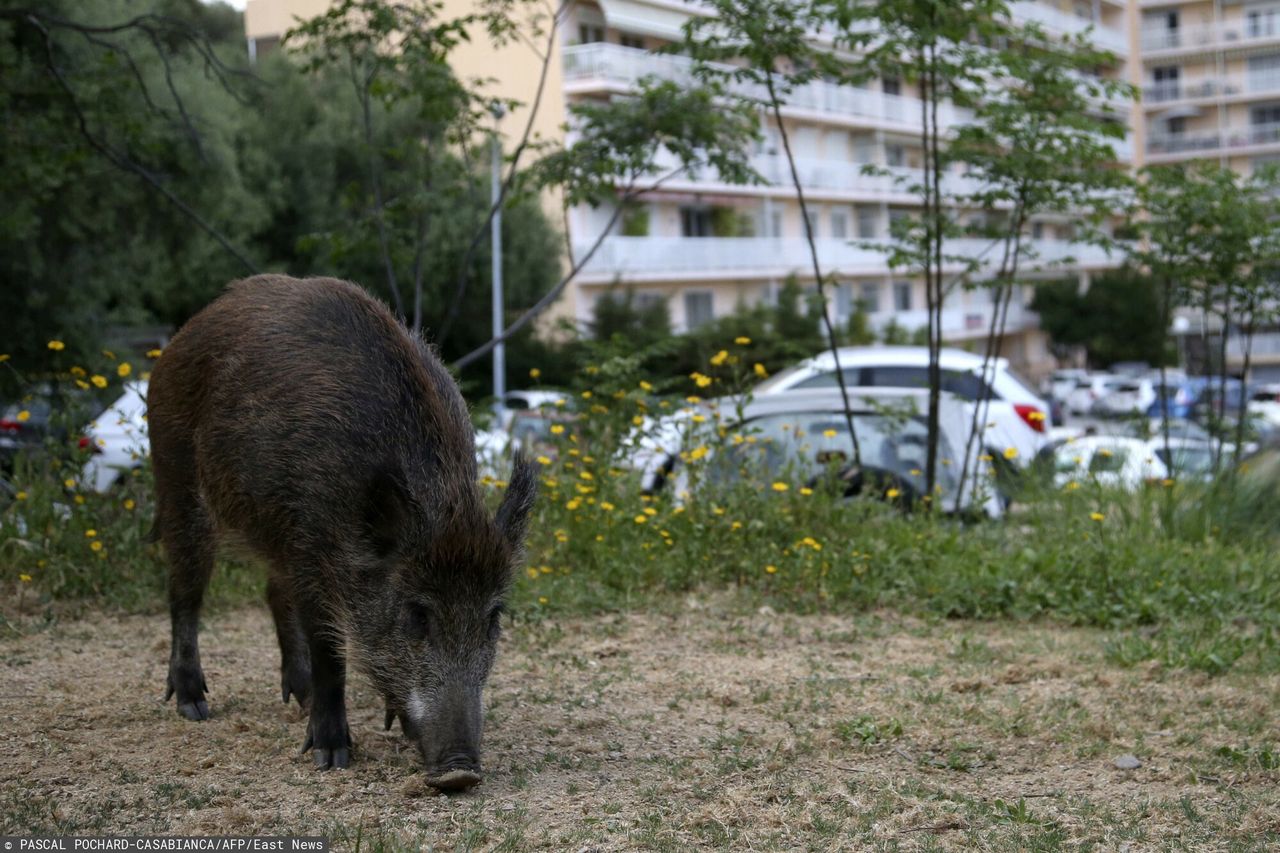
(416, 620)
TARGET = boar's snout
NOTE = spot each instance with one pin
(454, 769)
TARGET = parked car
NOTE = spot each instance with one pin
(1130, 463)
(1089, 390)
(803, 436)
(519, 401)
(1265, 403)
(1061, 382)
(53, 413)
(117, 439)
(1197, 398)
(1128, 397)
(1013, 416)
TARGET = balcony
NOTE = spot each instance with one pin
(1064, 23)
(605, 65)
(1239, 138)
(667, 259)
(1234, 87)
(1266, 347)
(1225, 35)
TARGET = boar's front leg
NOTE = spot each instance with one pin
(327, 731)
(295, 657)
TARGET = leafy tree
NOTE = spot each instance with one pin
(1112, 319)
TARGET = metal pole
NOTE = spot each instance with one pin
(499, 351)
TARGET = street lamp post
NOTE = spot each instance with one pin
(495, 231)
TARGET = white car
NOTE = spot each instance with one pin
(1061, 382)
(520, 401)
(1015, 423)
(1130, 463)
(802, 434)
(1090, 390)
(1265, 403)
(117, 439)
(1128, 397)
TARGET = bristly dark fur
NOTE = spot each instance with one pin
(302, 416)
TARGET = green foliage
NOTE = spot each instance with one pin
(1112, 320)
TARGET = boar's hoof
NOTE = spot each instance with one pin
(332, 759)
(455, 780)
(191, 703)
(197, 710)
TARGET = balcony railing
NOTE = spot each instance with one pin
(1239, 137)
(625, 66)
(1265, 344)
(1222, 35)
(1212, 87)
(1064, 23)
(667, 258)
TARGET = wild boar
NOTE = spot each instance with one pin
(302, 417)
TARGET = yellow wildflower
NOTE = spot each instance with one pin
(720, 358)
(700, 379)
(637, 420)
(4, 356)
(69, 483)
(24, 416)
(57, 346)
(892, 493)
(760, 371)
(542, 599)
(543, 460)
(95, 545)
(21, 496)
(586, 475)
(129, 504)
(153, 353)
(573, 504)
(606, 506)
(1011, 453)
(645, 386)
(650, 511)
(89, 534)
(25, 578)
(780, 487)
(534, 373)
(98, 381)
(772, 570)
(697, 453)
(586, 395)
(742, 340)
(557, 429)
(829, 433)
(531, 572)
(806, 491)
(124, 369)
(1097, 516)
(641, 519)
(77, 370)
(1166, 482)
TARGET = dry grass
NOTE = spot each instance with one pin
(702, 727)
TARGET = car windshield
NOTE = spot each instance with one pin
(800, 445)
(1188, 460)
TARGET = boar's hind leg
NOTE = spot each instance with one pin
(295, 657)
(327, 731)
(188, 540)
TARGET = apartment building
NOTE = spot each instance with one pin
(1211, 90)
(706, 247)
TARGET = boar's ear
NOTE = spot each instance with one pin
(517, 503)
(387, 510)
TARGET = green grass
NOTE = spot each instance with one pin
(1186, 576)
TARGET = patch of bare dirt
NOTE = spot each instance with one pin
(705, 728)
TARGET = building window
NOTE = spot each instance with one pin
(697, 308)
(775, 223)
(1037, 230)
(1269, 114)
(867, 223)
(844, 301)
(814, 232)
(892, 85)
(1263, 22)
(1166, 82)
(590, 33)
(871, 297)
(839, 225)
(902, 296)
(695, 222)
(895, 155)
(1175, 126)
(636, 42)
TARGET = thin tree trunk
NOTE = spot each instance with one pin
(375, 182)
(832, 343)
